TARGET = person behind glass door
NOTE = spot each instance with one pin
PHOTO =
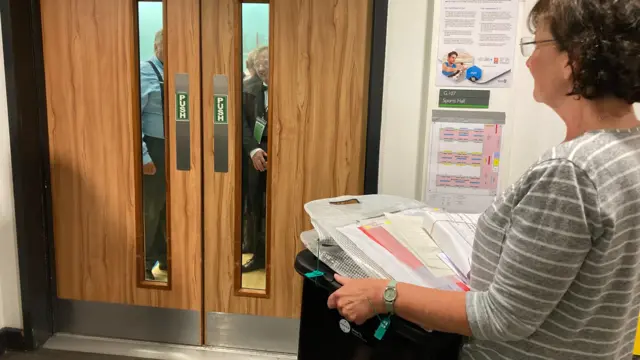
(254, 140)
(248, 242)
(251, 69)
(153, 157)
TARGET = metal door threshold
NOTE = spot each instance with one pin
(159, 351)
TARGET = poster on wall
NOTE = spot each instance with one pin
(464, 160)
(476, 43)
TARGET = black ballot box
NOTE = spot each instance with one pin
(325, 335)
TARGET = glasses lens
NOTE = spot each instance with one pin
(527, 46)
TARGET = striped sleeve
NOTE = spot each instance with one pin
(543, 250)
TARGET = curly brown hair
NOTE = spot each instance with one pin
(602, 40)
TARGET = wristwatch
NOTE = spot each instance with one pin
(390, 295)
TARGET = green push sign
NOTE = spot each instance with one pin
(220, 104)
(182, 106)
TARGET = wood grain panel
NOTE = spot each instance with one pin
(91, 71)
(183, 56)
(220, 55)
(318, 101)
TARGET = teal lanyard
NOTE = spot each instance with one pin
(316, 273)
(384, 323)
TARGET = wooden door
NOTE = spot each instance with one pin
(92, 73)
(317, 93)
(318, 56)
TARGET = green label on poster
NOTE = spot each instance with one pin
(182, 106)
(220, 103)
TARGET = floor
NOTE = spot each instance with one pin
(45, 354)
(50, 354)
(253, 280)
(76, 347)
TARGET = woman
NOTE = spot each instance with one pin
(556, 259)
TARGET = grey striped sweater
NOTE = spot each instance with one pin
(556, 260)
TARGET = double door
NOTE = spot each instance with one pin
(185, 137)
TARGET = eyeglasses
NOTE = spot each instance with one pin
(528, 45)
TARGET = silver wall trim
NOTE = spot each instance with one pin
(259, 333)
(128, 322)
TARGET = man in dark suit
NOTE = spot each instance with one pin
(254, 141)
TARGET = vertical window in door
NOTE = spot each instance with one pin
(153, 259)
(255, 124)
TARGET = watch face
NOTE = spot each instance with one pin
(389, 294)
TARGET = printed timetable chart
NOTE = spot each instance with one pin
(464, 159)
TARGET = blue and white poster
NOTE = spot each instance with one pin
(477, 41)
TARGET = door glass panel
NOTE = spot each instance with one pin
(255, 119)
(153, 149)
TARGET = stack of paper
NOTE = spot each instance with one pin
(407, 228)
(329, 215)
(453, 233)
(386, 237)
(402, 246)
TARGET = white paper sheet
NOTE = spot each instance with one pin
(464, 160)
(407, 229)
(454, 234)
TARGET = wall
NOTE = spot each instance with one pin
(149, 22)
(10, 310)
(255, 27)
(410, 95)
(403, 108)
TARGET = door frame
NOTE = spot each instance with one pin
(28, 132)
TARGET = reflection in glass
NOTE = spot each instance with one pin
(154, 185)
(255, 95)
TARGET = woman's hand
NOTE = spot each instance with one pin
(358, 300)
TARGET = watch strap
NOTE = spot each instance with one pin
(389, 304)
